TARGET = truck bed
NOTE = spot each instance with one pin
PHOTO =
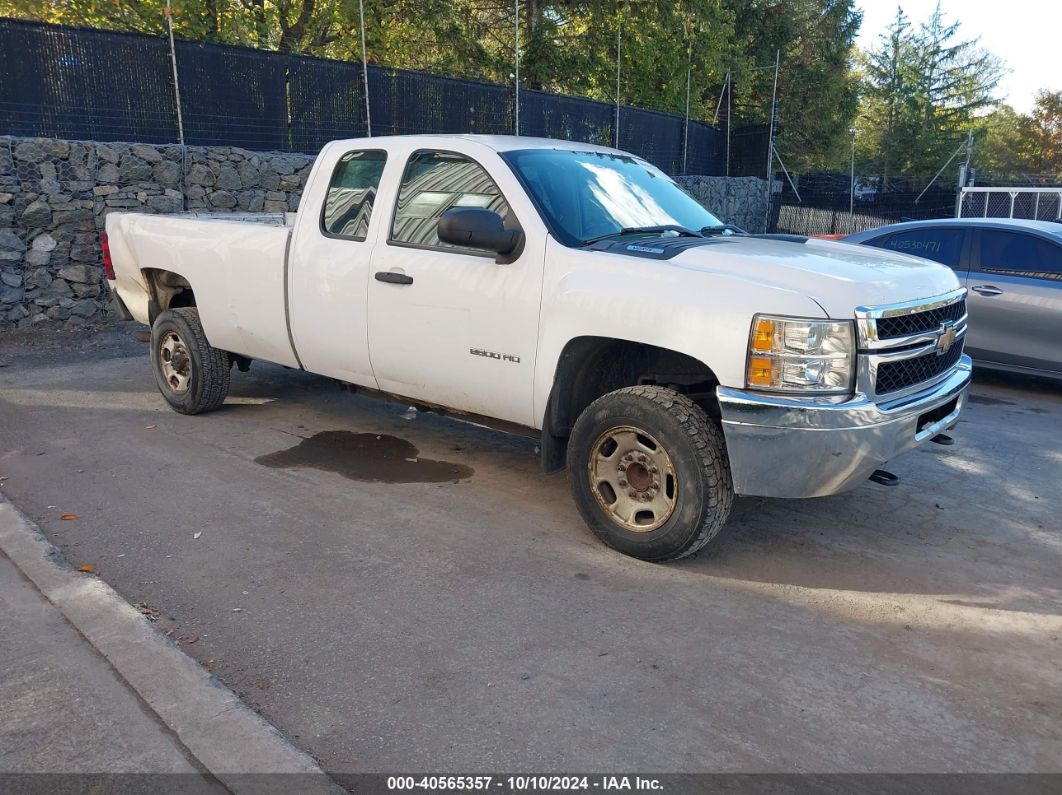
(237, 262)
(265, 219)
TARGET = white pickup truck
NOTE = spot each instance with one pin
(574, 292)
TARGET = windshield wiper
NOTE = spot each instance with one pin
(722, 229)
(644, 230)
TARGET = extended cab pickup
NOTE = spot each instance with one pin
(576, 292)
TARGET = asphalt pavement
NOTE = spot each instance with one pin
(438, 605)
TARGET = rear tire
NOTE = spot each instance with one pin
(191, 375)
(649, 473)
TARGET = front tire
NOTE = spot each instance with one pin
(191, 375)
(649, 473)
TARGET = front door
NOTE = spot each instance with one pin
(452, 326)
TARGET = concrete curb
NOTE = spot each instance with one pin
(228, 739)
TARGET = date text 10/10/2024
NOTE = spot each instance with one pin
(522, 783)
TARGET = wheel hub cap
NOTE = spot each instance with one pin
(633, 478)
(176, 363)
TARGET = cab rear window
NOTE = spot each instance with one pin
(351, 193)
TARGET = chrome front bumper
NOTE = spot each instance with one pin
(793, 447)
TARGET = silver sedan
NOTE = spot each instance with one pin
(1013, 270)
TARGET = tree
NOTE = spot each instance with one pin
(1042, 136)
(999, 140)
(921, 94)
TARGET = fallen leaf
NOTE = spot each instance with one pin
(67, 517)
(196, 535)
(88, 568)
(151, 612)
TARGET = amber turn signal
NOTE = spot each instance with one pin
(761, 371)
(763, 335)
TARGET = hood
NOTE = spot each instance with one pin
(838, 276)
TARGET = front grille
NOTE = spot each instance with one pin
(918, 322)
(894, 376)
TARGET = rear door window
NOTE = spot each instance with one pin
(940, 245)
(351, 193)
(1017, 254)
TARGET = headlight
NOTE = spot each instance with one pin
(800, 355)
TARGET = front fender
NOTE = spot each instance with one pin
(695, 312)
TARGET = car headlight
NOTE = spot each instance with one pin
(792, 354)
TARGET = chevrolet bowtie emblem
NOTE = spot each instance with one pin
(945, 339)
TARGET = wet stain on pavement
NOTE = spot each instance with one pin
(985, 400)
(365, 457)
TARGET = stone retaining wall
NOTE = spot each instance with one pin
(741, 201)
(54, 196)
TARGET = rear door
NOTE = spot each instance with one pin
(1015, 300)
(329, 267)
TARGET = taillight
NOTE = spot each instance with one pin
(108, 265)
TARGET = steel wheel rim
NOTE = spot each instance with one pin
(175, 362)
(633, 479)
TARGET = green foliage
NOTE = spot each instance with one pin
(568, 46)
(922, 92)
(1012, 147)
(1042, 133)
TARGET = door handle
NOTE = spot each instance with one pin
(986, 289)
(391, 277)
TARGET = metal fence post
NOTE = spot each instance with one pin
(770, 140)
(176, 82)
(365, 69)
(619, 58)
(686, 127)
(516, 73)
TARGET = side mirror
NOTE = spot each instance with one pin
(474, 227)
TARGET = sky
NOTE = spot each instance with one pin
(1024, 33)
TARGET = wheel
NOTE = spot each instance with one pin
(649, 473)
(191, 375)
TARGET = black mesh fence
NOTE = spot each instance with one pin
(705, 150)
(653, 135)
(748, 151)
(414, 103)
(232, 96)
(59, 82)
(326, 101)
(828, 205)
(570, 118)
(77, 83)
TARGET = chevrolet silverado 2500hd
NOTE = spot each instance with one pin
(571, 290)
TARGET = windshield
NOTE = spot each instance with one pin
(587, 195)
